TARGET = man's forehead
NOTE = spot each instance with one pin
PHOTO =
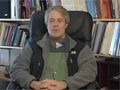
(56, 13)
(50, 18)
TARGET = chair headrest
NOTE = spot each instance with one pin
(79, 28)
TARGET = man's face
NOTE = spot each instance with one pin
(56, 25)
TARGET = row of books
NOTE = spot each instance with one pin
(106, 38)
(11, 35)
(25, 8)
(20, 9)
(97, 8)
(16, 9)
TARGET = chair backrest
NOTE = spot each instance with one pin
(79, 28)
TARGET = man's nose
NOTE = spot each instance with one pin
(55, 24)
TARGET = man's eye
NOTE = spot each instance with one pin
(51, 21)
(60, 20)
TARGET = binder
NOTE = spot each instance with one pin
(5, 9)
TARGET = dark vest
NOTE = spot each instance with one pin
(37, 61)
(37, 64)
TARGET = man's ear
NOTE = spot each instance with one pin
(66, 25)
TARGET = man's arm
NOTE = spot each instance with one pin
(20, 69)
(87, 70)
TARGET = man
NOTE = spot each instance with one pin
(46, 65)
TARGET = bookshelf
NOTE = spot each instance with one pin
(108, 72)
(112, 16)
(9, 53)
(107, 20)
(13, 20)
(11, 25)
(106, 36)
(105, 56)
(108, 64)
(12, 39)
(10, 47)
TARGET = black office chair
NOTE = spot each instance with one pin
(80, 28)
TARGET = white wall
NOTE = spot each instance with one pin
(7, 56)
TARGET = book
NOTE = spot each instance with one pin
(10, 36)
(114, 39)
(94, 31)
(27, 8)
(118, 47)
(91, 8)
(23, 38)
(97, 8)
(105, 9)
(117, 39)
(99, 36)
(112, 3)
(6, 31)
(3, 27)
(5, 6)
(43, 4)
(107, 38)
(68, 4)
(16, 41)
(116, 8)
(14, 35)
(55, 2)
(15, 9)
(23, 9)
(82, 5)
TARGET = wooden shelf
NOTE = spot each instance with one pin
(106, 56)
(109, 20)
(10, 47)
(9, 20)
(29, 20)
(2, 77)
